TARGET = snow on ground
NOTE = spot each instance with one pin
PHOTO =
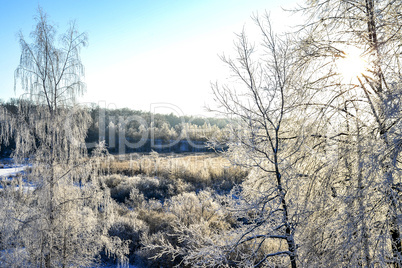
(12, 171)
(114, 266)
(9, 173)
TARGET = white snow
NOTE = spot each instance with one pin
(6, 172)
(114, 266)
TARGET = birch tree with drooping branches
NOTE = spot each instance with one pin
(62, 224)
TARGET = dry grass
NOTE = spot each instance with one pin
(164, 197)
(200, 170)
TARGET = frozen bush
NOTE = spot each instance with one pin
(129, 228)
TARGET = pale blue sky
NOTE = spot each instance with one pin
(140, 52)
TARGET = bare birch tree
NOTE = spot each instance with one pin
(263, 137)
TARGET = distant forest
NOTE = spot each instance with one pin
(125, 130)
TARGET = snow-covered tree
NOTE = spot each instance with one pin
(350, 68)
(264, 137)
(62, 224)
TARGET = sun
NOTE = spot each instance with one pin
(352, 65)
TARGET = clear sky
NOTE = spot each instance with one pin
(140, 52)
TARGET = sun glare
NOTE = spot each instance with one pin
(352, 65)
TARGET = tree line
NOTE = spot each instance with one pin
(119, 126)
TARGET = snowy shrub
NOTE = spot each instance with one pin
(136, 198)
(14, 258)
(130, 229)
(192, 224)
(149, 187)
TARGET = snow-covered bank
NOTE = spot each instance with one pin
(8, 174)
(11, 171)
